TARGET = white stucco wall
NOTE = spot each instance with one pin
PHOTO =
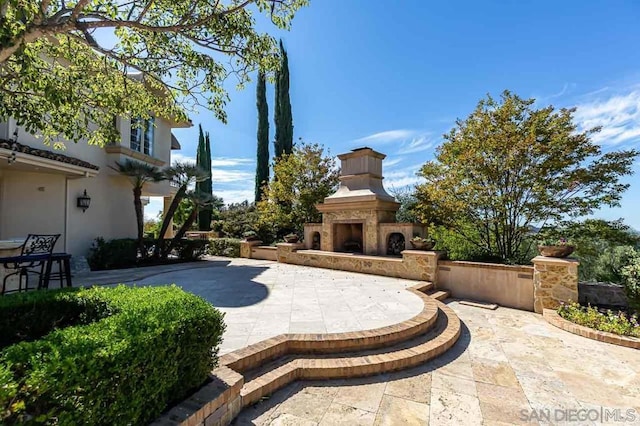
(35, 202)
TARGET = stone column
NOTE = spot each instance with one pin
(554, 281)
(245, 247)
(422, 265)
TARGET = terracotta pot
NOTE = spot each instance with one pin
(291, 238)
(422, 245)
(556, 251)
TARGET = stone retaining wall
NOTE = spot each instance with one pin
(506, 285)
(544, 286)
(602, 294)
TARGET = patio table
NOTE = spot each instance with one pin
(9, 248)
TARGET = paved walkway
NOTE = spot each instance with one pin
(508, 367)
(263, 299)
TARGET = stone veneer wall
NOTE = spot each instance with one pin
(554, 281)
(414, 265)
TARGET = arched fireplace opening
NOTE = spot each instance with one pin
(395, 244)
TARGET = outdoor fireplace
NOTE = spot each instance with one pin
(347, 237)
(360, 216)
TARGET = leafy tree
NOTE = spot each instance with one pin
(262, 160)
(183, 175)
(283, 118)
(65, 67)
(602, 246)
(300, 180)
(509, 166)
(139, 174)
(408, 202)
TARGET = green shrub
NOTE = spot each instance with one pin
(129, 354)
(611, 322)
(113, 254)
(227, 247)
(608, 265)
(631, 280)
(189, 250)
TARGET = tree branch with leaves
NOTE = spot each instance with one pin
(65, 67)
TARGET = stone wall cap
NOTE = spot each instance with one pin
(362, 152)
(422, 252)
(556, 260)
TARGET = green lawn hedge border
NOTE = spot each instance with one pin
(122, 356)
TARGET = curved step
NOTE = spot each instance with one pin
(257, 354)
(402, 355)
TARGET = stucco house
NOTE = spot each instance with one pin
(40, 186)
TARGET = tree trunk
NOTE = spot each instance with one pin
(137, 203)
(183, 229)
(168, 215)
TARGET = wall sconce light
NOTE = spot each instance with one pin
(84, 201)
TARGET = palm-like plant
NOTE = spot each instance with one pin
(183, 175)
(139, 174)
(199, 200)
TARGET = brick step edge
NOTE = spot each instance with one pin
(254, 355)
(356, 366)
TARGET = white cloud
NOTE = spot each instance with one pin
(388, 136)
(215, 161)
(231, 162)
(402, 178)
(406, 141)
(227, 176)
(234, 195)
(617, 114)
(418, 144)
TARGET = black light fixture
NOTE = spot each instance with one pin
(84, 201)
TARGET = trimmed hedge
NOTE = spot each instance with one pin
(123, 253)
(122, 357)
(113, 254)
(227, 247)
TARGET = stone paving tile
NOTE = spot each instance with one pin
(449, 408)
(304, 405)
(399, 411)
(414, 388)
(364, 396)
(505, 361)
(339, 414)
(453, 384)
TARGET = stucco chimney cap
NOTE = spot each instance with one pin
(364, 151)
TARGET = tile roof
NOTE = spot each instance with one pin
(50, 155)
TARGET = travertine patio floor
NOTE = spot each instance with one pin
(262, 299)
(506, 361)
(508, 365)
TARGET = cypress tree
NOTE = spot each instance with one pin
(283, 116)
(200, 156)
(262, 163)
(204, 215)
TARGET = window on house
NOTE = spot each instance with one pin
(142, 132)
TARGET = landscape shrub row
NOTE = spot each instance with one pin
(227, 247)
(123, 253)
(103, 356)
(612, 322)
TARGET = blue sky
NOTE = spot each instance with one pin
(396, 75)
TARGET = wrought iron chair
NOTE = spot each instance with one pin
(34, 259)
